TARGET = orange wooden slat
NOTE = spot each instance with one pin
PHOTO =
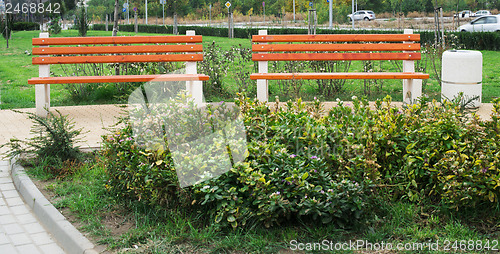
(118, 59)
(340, 75)
(336, 47)
(117, 49)
(336, 37)
(117, 40)
(335, 56)
(118, 79)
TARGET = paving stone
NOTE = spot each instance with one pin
(33, 228)
(29, 248)
(4, 210)
(7, 186)
(19, 210)
(10, 194)
(3, 238)
(7, 219)
(41, 238)
(15, 201)
(8, 248)
(51, 249)
(20, 239)
(26, 218)
(5, 180)
(12, 229)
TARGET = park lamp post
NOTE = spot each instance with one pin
(146, 10)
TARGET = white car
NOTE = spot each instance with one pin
(465, 14)
(362, 15)
(488, 23)
(482, 13)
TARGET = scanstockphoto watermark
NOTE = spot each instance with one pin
(205, 140)
(364, 245)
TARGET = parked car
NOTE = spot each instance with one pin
(362, 15)
(487, 23)
(482, 13)
(464, 14)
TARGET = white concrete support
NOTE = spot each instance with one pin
(42, 92)
(195, 88)
(412, 88)
(262, 84)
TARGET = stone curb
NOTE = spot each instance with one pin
(68, 237)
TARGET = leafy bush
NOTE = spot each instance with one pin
(54, 27)
(328, 166)
(25, 26)
(54, 139)
(271, 186)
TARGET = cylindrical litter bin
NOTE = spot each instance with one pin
(462, 71)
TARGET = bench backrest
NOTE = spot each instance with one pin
(352, 46)
(79, 50)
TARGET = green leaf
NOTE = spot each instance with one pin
(231, 218)
(305, 175)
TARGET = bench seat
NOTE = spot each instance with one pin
(338, 47)
(117, 79)
(116, 51)
(340, 75)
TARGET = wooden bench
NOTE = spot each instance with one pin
(354, 47)
(130, 49)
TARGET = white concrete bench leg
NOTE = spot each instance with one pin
(262, 84)
(195, 88)
(42, 92)
(412, 88)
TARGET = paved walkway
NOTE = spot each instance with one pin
(20, 231)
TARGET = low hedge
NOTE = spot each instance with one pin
(307, 164)
(476, 40)
(25, 26)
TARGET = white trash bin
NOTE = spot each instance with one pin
(462, 71)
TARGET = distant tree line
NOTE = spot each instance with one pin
(199, 9)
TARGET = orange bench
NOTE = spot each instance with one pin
(130, 49)
(353, 47)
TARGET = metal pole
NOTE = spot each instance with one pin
(128, 13)
(264, 5)
(294, 11)
(330, 14)
(442, 27)
(210, 15)
(352, 15)
(146, 1)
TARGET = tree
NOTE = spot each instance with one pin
(115, 23)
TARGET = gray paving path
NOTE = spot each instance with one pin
(20, 231)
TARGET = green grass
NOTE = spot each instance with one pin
(156, 230)
(16, 69)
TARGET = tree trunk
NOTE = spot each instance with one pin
(115, 24)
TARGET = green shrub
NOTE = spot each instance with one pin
(273, 185)
(25, 26)
(54, 27)
(328, 166)
(54, 139)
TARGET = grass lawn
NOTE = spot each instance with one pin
(16, 69)
(111, 224)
